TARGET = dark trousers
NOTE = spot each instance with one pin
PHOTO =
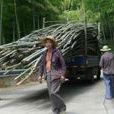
(57, 101)
(109, 85)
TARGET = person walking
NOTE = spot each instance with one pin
(107, 66)
(53, 68)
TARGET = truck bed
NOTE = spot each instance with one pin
(89, 61)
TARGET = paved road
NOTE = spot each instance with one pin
(80, 97)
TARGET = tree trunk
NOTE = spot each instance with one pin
(14, 32)
(1, 22)
(17, 22)
(85, 25)
(38, 22)
(33, 17)
(34, 26)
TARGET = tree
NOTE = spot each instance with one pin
(19, 17)
(23, 16)
(1, 13)
(16, 18)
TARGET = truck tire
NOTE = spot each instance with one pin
(98, 74)
(90, 75)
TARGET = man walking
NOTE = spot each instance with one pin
(107, 66)
(53, 68)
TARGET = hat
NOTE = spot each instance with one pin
(51, 38)
(105, 48)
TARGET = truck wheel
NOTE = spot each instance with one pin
(98, 74)
(90, 75)
(92, 80)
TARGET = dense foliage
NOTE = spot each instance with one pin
(20, 17)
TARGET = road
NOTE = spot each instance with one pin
(80, 98)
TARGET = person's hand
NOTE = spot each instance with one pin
(63, 79)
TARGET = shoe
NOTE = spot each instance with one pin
(56, 112)
(108, 98)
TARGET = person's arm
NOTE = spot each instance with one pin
(41, 67)
(63, 65)
(101, 62)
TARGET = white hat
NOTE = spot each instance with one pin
(105, 48)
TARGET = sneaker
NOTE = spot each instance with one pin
(56, 112)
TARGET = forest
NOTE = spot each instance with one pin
(18, 18)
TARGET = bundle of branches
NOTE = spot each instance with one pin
(26, 52)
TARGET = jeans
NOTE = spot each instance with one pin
(109, 85)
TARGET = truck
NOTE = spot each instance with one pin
(83, 67)
(82, 60)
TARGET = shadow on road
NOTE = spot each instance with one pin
(71, 89)
(40, 100)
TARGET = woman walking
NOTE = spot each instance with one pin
(53, 68)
